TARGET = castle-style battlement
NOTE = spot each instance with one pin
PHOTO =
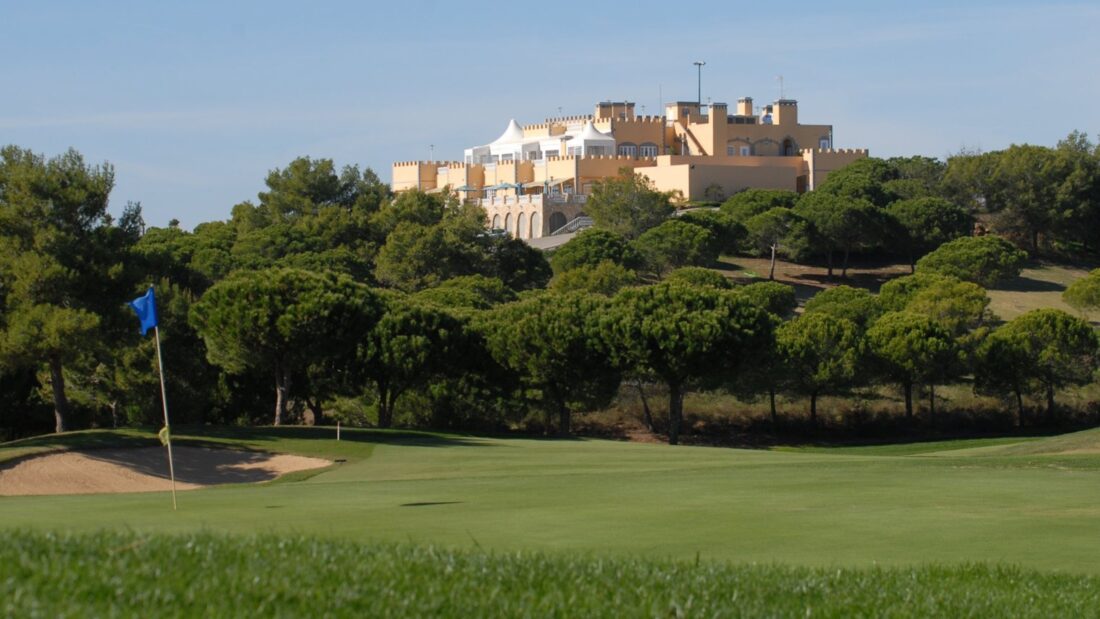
(569, 119)
(617, 158)
(837, 151)
(433, 164)
(640, 120)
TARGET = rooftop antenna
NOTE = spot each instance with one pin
(699, 66)
(559, 111)
(431, 150)
(782, 94)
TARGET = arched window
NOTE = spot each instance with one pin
(648, 149)
(521, 226)
(628, 149)
(534, 231)
(496, 222)
(508, 222)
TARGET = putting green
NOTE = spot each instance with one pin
(847, 507)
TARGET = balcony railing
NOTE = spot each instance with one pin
(533, 200)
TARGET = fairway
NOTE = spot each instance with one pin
(998, 502)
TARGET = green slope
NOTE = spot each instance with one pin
(623, 499)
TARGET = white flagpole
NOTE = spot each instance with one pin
(167, 429)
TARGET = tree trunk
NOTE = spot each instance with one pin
(844, 270)
(932, 403)
(1050, 403)
(385, 410)
(282, 393)
(908, 401)
(60, 402)
(647, 416)
(912, 262)
(829, 261)
(771, 271)
(317, 410)
(563, 419)
(1019, 407)
(813, 409)
(1034, 241)
(675, 413)
(771, 405)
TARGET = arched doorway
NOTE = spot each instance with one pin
(788, 147)
(557, 220)
(534, 232)
(508, 222)
(496, 222)
(521, 226)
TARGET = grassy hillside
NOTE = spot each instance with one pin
(831, 508)
(128, 574)
(1040, 285)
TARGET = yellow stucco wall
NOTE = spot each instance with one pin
(707, 129)
(693, 175)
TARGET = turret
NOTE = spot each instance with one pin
(785, 112)
(744, 106)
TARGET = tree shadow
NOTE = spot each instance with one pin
(193, 465)
(1028, 284)
(411, 438)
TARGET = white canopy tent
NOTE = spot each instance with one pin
(513, 145)
(590, 141)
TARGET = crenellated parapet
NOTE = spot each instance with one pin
(434, 164)
(617, 158)
(570, 119)
(836, 151)
(642, 120)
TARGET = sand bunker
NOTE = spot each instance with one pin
(144, 469)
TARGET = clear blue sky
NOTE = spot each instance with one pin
(193, 102)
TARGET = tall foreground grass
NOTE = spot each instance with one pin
(129, 574)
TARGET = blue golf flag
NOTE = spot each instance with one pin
(145, 307)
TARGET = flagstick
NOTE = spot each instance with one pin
(167, 430)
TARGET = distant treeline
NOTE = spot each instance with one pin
(331, 298)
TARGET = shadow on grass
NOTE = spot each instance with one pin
(86, 439)
(411, 438)
(1028, 284)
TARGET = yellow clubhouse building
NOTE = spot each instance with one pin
(533, 180)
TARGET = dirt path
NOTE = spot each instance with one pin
(143, 469)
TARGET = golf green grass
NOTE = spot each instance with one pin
(997, 502)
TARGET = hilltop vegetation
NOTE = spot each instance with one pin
(331, 299)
